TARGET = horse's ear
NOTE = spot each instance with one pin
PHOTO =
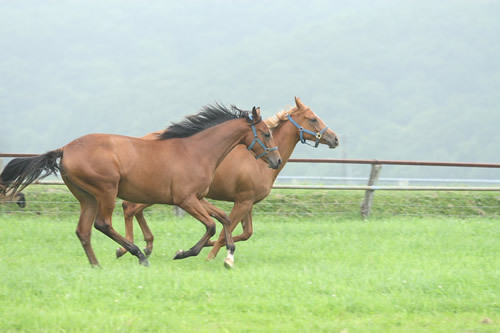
(298, 103)
(256, 114)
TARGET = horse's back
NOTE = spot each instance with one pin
(106, 147)
(139, 170)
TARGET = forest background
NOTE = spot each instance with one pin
(412, 80)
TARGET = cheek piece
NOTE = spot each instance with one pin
(256, 139)
(302, 130)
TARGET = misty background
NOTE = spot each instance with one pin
(404, 80)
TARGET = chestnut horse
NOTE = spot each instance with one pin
(249, 183)
(177, 168)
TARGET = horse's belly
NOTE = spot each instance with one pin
(145, 193)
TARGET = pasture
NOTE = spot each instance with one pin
(299, 272)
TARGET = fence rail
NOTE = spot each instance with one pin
(352, 161)
(353, 187)
(394, 162)
(370, 188)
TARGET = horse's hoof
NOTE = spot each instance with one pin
(147, 252)
(120, 252)
(179, 255)
(144, 263)
(228, 263)
(210, 257)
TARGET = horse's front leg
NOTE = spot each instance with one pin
(208, 210)
(247, 224)
(240, 210)
(146, 232)
(130, 210)
(194, 207)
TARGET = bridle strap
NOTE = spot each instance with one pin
(318, 135)
(256, 139)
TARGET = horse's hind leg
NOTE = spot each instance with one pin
(128, 216)
(105, 207)
(247, 225)
(130, 210)
(146, 232)
(88, 211)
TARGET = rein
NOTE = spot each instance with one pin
(302, 130)
(256, 139)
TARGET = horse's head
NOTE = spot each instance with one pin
(262, 142)
(311, 127)
(20, 199)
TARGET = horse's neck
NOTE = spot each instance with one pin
(213, 144)
(286, 137)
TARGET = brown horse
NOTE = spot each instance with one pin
(17, 197)
(177, 168)
(249, 183)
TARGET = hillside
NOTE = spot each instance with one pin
(397, 80)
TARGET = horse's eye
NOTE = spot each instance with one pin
(313, 120)
(267, 135)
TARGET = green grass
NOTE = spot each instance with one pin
(296, 274)
(58, 201)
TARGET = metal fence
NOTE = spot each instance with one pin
(376, 167)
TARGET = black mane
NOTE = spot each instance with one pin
(209, 116)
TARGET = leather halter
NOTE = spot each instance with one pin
(302, 130)
(256, 139)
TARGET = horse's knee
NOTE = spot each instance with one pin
(211, 229)
(128, 208)
(125, 205)
(246, 235)
(149, 238)
(225, 219)
(221, 217)
(102, 226)
(84, 239)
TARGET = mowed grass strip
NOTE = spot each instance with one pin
(321, 274)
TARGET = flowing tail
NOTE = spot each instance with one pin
(22, 171)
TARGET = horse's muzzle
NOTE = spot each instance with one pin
(274, 164)
(333, 142)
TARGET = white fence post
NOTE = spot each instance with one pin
(367, 203)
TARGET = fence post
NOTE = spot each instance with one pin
(367, 203)
(179, 212)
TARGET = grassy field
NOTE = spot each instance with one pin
(303, 273)
(58, 201)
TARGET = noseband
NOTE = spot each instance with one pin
(259, 141)
(302, 130)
